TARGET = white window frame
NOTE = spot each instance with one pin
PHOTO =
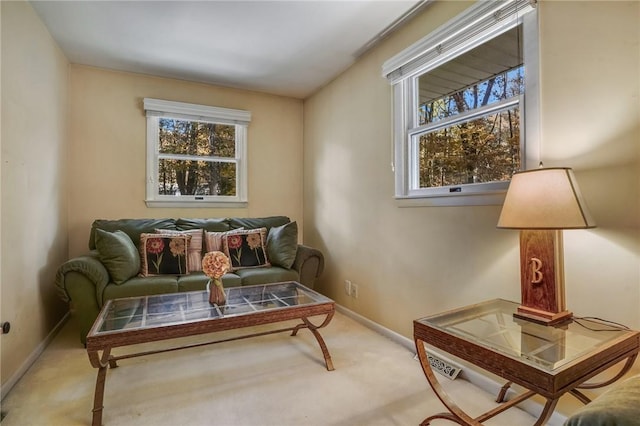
(473, 27)
(156, 109)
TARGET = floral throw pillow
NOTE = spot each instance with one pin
(213, 240)
(246, 248)
(194, 251)
(164, 254)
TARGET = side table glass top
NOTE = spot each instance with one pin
(177, 308)
(491, 324)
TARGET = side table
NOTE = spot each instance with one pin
(545, 360)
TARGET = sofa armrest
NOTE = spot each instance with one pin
(87, 265)
(309, 263)
(80, 282)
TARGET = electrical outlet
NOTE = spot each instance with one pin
(347, 287)
(354, 290)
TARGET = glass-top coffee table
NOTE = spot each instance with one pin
(545, 360)
(135, 320)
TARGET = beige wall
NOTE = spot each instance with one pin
(415, 261)
(73, 150)
(408, 262)
(590, 64)
(108, 148)
(34, 185)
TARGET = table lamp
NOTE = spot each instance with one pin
(541, 203)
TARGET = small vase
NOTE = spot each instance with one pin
(216, 292)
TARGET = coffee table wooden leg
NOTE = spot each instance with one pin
(325, 351)
(314, 330)
(102, 364)
(98, 397)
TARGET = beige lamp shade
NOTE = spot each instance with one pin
(547, 198)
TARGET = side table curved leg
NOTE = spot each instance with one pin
(549, 406)
(625, 368)
(443, 416)
(503, 392)
(456, 414)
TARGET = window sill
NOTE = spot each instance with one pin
(484, 199)
(196, 204)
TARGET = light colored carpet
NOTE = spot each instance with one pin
(270, 380)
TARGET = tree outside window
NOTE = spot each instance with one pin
(480, 149)
(196, 155)
(460, 107)
(210, 148)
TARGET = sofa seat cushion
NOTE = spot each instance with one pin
(197, 281)
(141, 286)
(273, 274)
(618, 406)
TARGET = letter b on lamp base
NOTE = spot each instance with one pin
(542, 277)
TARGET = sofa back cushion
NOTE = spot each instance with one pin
(132, 227)
(210, 224)
(282, 245)
(118, 254)
(258, 222)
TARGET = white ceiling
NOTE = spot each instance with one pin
(288, 48)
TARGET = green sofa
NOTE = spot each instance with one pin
(86, 282)
(618, 406)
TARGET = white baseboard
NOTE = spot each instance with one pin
(6, 387)
(471, 375)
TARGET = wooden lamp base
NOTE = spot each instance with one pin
(543, 317)
(542, 277)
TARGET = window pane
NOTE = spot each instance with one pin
(197, 138)
(482, 150)
(482, 76)
(180, 177)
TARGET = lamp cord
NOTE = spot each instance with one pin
(604, 321)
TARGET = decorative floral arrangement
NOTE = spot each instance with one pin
(215, 264)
